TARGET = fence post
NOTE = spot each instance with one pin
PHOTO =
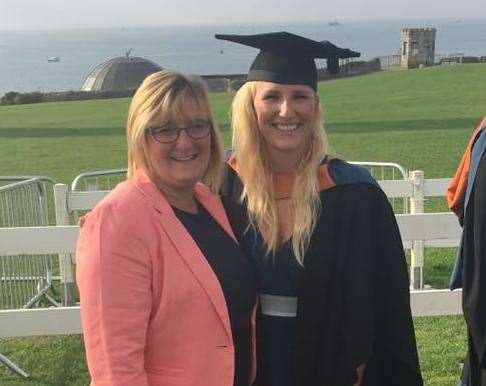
(12, 366)
(65, 264)
(417, 252)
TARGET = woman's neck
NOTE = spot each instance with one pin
(283, 162)
(181, 199)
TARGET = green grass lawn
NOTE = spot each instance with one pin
(420, 119)
(59, 361)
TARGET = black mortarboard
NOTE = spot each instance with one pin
(287, 58)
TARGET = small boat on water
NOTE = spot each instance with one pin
(334, 23)
(53, 59)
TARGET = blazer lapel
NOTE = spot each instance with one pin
(197, 264)
(213, 205)
(185, 244)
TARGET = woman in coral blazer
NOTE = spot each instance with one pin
(167, 297)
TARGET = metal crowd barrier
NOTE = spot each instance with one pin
(25, 280)
(386, 171)
(108, 179)
(98, 180)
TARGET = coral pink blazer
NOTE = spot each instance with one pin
(153, 312)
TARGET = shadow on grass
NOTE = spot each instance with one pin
(59, 132)
(51, 361)
(70, 132)
(402, 125)
(344, 127)
(31, 381)
(224, 127)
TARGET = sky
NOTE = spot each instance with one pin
(55, 14)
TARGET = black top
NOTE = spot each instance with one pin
(474, 279)
(353, 297)
(237, 280)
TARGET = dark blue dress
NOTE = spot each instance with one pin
(277, 274)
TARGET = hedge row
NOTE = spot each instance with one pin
(18, 98)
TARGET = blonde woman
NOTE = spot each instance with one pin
(167, 297)
(330, 265)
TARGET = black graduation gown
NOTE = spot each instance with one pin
(353, 298)
(474, 280)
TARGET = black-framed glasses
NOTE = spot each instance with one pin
(169, 132)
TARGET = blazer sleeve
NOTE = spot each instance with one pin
(114, 280)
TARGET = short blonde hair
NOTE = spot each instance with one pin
(161, 97)
(257, 177)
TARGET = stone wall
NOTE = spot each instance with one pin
(215, 83)
(85, 95)
(360, 67)
(16, 98)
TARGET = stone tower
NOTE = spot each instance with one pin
(417, 47)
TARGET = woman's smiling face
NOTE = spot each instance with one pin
(178, 165)
(285, 115)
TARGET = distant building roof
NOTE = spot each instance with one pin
(122, 73)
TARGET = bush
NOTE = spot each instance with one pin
(470, 59)
(13, 98)
(29, 97)
(9, 98)
(235, 84)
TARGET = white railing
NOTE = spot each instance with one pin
(431, 230)
(24, 201)
(435, 229)
(415, 189)
(98, 180)
(39, 240)
(66, 203)
(418, 231)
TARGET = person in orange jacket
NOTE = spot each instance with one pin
(466, 197)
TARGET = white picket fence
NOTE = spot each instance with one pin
(417, 189)
(435, 229)
(418, 231)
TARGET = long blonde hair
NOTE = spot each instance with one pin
(257, 176)
(162, 96)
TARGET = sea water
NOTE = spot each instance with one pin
(192, 49)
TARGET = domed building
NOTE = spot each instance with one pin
(119, 74)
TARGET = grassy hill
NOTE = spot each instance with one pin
(419, 118)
